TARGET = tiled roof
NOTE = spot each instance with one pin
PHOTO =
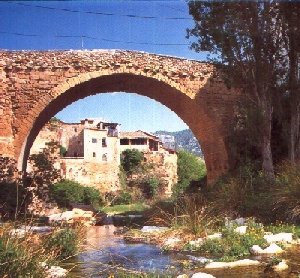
(137, 134)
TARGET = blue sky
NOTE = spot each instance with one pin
(151, 26)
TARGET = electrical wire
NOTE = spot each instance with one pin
(92, 38)
(99, 13)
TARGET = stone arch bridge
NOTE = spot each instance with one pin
(35, 85)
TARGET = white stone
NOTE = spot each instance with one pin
(214, 236)
(201, 260)
(245, 262)
(202, 275)
(281, 266)
(281, 237)
(241, 230)
(182, 276)
(59, 217)
(56, 272)
(153, 229)
(196, 243)
(272, 249)
(172, 241)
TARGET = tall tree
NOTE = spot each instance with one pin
(290, 12)
(246, 38)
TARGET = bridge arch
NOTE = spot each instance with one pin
(44, 86)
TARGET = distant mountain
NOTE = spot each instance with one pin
(184, 139)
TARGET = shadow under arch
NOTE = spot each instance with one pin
(189, 110)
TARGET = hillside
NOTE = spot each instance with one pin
(184, 139)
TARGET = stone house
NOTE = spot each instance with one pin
(93, 150)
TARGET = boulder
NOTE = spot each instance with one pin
(201, 260)
(214, 236)
(272, 249)
(281, 237)
(241, 230)
(153, 229)
(281, 266)
(196, 243)
(171, 242)
(245, 262)
(56, 272)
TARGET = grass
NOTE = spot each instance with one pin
(119, 209)
(21, 256)
(232, 245)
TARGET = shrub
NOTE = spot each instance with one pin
(286, 195)
(150, 186)
(131, 160)
(64, 242)
(232, 245)
(124, 198)
(189, 168)
(22, 256)
(91, 196)
(67, 192)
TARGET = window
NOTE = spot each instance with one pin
(94, 140)
(75, 129)
(104, 142)
(94, 154)
(124, 141)
(104, 157)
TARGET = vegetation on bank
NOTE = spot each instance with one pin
(25, 254)
(67, 192)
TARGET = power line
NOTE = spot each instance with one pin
(93, 38)
(99, 13)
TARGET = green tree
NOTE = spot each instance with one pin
(290, 16)
(189, 168)
(131, 160)
(247, 38)
(66, 192)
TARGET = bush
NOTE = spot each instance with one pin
(286, 195)
(65, 242)
(22, 256)
(131, 160)
(189, 168)
(150, 186)
(67, 192)
(232, 245)
(124, 198)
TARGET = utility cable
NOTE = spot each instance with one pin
(99, 13)
(93, 38)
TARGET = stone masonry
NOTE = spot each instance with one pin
(35, 85)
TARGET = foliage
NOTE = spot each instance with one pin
(67, 192)
(249, 38)
(189, 168)
(286, 195)
(13, 199)
(91, 196)
(117, 209)
(232, 245)
(131, 160)
(124, 198)
(150, 186)
(22, 256)
(62, 150)
(64, 242)
(44, 172)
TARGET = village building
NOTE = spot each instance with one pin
(91, 151)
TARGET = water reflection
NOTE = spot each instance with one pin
(105, 253)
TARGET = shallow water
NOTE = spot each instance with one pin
(105, 253)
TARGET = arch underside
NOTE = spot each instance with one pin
(192, 112)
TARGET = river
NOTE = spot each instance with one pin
(106, 253)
